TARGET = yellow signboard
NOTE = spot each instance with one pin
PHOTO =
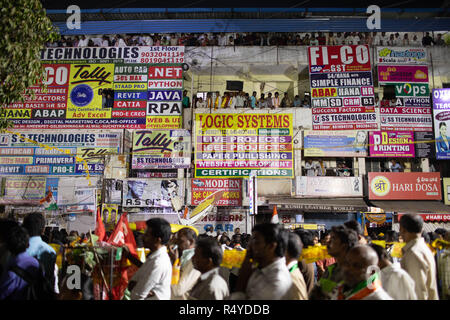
(85, 100)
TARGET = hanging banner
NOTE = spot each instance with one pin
(412, 74)
(335, 143)
(441, 115)
(161, 149)
(404, 186)
(202, 188)
(392, 144)
(315, 187)
(151, 193)
(253, 193)
(18, 156)
(401, 55)
(231, 145)
(342, 93)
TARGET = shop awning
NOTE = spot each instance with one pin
(427, 226)
(412, 206)
(320, 204)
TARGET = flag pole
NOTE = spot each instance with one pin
(100, 266)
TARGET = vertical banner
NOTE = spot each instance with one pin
(164, 108)
(253, 193)
(342, 92)
(441, 114)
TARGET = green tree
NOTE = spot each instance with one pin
(24, 30)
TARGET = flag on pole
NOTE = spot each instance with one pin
(123, 235)
(99, 227)
(275, 218)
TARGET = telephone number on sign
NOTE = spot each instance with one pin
(162, 54)
(162, 60)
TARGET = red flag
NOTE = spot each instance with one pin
(99, 227)
(123, 235)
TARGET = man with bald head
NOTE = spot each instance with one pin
(361, 280)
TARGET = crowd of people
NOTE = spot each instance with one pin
(252, 39)
(358, 268)
(241, 99)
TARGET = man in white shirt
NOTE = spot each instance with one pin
(417, 258)
(396, 281)
(97, 41)
(119, 41)
(83, 41)
(340, 38)
(152, 280)
(276, 101)
(207, 259)
(359, 282)
(173, 40)
(270, 280)
(105, 42)
(201, 103)
(383, 40)
(185, 240)
(239, 100)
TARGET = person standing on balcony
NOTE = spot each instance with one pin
(276, 101)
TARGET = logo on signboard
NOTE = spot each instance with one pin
(81, 95)
(380, 186)
(198, 183)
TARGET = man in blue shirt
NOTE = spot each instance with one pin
(396, 167)
(253, 100)
(34, 223)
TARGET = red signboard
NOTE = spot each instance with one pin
(432, 217)
(324, 59)
(404, 186)
(202, 188)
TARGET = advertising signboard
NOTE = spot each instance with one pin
(404, 186)
(202, 188)
(105, 88)
(151, 192)
(441, 116)
(18, 156)
(335, 143)
(342, 93)
(161, 149)
(316, 187)
(231, 145)
(394, 144)
(401, 55)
